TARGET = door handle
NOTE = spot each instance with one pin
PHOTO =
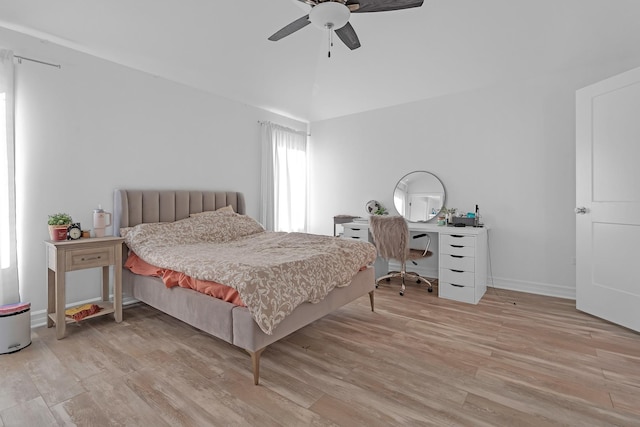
(581, 210)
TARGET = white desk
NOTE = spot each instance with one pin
(461, 257)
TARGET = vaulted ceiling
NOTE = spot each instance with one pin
(443, 47)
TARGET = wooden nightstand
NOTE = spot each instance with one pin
(70, 255)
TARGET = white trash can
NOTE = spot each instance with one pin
(15, 327)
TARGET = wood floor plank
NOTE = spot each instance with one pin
(30, 413)
(16, 384)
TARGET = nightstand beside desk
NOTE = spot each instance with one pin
(71, 255)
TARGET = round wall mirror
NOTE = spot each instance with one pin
(419, 196)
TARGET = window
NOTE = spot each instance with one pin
(284, 179)
(4, 186)
(9, 290)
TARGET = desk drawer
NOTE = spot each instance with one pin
(458, 240)
(457, 249)
(457, 262)
(358, 233)
(457, 277)
(88, 258)
(456, 292)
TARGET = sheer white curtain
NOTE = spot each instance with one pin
(284, 179)
(9, 289)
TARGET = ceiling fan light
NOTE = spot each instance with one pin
(329, 15)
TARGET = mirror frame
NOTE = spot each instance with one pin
(430, 175)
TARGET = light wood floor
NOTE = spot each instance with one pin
(513, 360)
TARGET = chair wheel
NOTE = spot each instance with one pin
(430, 289)
(377, 286)
(401, 293)
(418, 281)
(388, 279)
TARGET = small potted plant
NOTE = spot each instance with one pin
(381, 210)
(58, 224)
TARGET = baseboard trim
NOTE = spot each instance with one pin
(538, 288)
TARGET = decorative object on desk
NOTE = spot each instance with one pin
(100, 221)
(58, 224)
(74, 231)
(82, 311)
(461, 221)
(374, 207)
(450, 214)
(86, 234)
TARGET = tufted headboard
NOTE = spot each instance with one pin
(133, 207)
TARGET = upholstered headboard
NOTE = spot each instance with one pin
(133, 207)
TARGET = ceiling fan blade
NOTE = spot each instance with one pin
(291, 28)
(348, 35)
(383, 5)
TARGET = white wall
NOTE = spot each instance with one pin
(94, 126)
(509, 148)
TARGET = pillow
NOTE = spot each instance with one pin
(226, 209)
(124, 231)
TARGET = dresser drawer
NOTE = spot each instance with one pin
(77, 259)
(456, 292)
(457, 262)
(457, 277)
(358, 233)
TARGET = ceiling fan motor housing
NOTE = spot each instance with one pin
(329, 15)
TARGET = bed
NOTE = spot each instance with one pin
(230, 322)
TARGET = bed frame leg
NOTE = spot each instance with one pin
(255, 364)
(371, 299)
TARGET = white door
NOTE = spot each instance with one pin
(608, 199)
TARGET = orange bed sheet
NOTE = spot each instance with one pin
(174, 278)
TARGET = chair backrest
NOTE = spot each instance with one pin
(390, 235)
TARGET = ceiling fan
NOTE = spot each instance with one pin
(334, 15)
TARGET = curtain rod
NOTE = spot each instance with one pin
(283, 127)
(20, 58)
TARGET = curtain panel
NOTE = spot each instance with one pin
(284, 179)
(9, 288)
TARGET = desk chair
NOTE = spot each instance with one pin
(391, 237)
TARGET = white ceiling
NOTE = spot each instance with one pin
(445, 46)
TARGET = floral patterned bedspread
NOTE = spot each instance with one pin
(273, 272)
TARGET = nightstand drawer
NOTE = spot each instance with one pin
(457, 262)
(88, 258)
(456, 292)
(358, 233)
(457, 277)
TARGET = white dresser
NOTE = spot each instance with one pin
(462, 258)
